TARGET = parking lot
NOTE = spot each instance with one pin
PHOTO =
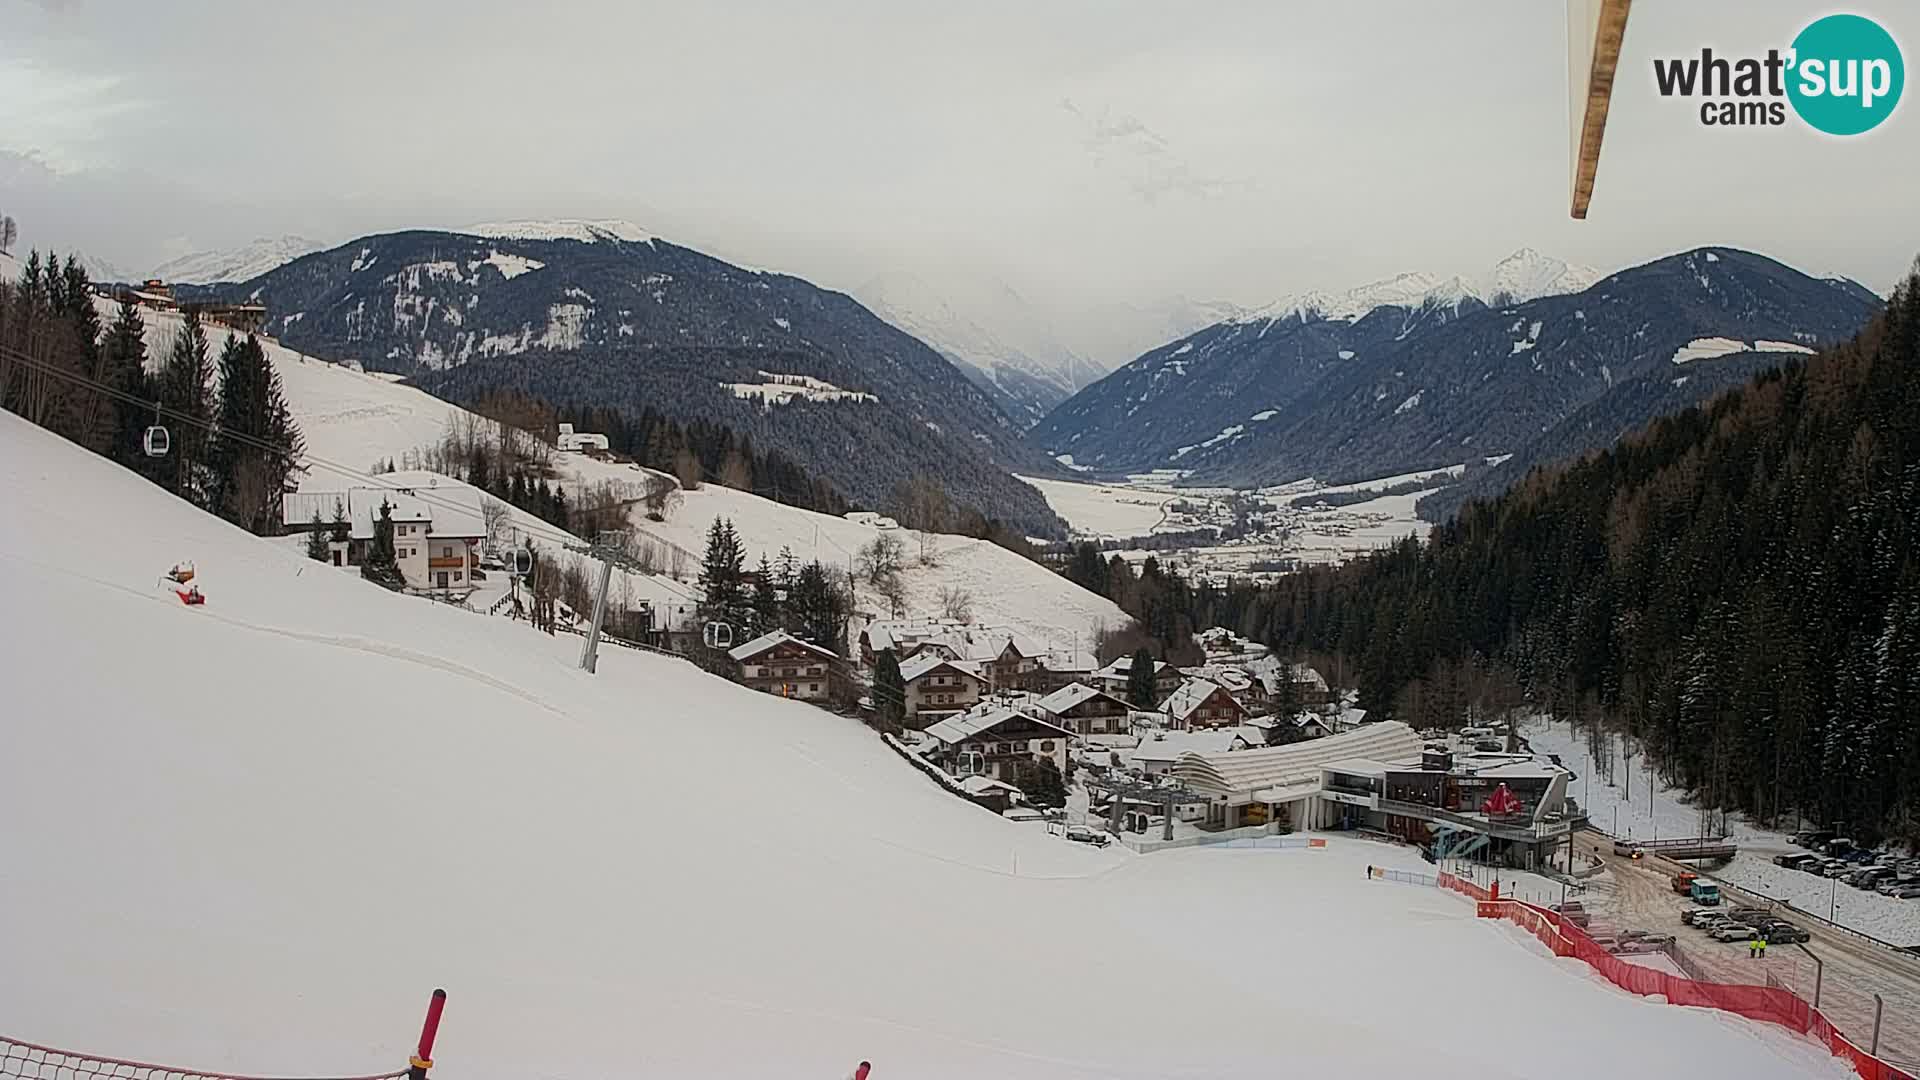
(1637, 895)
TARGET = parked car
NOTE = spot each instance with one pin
(1657, 941)
(1734, 932)
(1796, 861)
(1690, 915)
(1784, 934)
(1834, 868)
(1080, 834)
(1749, 915)
(1907, 892)
(1710, 923)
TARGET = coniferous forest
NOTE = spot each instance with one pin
(230, 440)
(1737, 586)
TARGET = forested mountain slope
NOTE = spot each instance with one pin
(601, 313)
(1738, 584)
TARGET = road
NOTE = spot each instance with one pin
(1637, 895)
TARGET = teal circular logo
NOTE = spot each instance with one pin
(1847, 74)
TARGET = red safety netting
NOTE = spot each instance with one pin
(29, 1061)
(1463, 886)
(1772, 1004)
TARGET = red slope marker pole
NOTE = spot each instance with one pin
(423, 1057)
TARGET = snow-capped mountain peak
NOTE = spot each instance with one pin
(1528, 275)
(235, 264)
(1524, 275)
(590, 232)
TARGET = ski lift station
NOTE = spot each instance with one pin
(1382, 778)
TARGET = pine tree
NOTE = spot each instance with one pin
(341, 530)
(766, 600)
(124, 355)
(1042, 784)
(258, 445)
(889, 692)
(381, 566)
(1140, 688)
(723, 577)
(185, 393)
(317, 548)
(817, 607)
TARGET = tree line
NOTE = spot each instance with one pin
(230, 445)
(1736, 588)
(804, 599)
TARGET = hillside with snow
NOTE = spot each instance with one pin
(606, 314)
(236, 264)
(1415, 374)
(251, 836)
(353, 420)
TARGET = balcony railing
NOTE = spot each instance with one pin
(447, 562)
(1506, 830)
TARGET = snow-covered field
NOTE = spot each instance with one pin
(1103, 510)
(250, 836)
(1659, 811)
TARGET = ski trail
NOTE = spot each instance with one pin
(350, 642)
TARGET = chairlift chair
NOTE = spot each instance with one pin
(157, 441)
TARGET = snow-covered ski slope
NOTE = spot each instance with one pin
(354, 419)
(251, 836)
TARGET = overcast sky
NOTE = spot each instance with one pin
(1084, 152)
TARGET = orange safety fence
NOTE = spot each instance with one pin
(1772, 1004)
(1462, 885)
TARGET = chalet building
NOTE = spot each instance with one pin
(580, 442)
(938, 687)
(1085, 711)
(994, 741)
(1113, 678)
(779, 663)
(436, 531)
(1014, 665)
(1202, 704)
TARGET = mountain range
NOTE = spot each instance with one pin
(605, 313)
(991, 333)
(1523, 364)
(234, 264)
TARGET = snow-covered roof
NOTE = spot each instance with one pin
(1073, 694)
(1172, 745)
(1234, 679)
(1192, 694)
(1358, 766)
(772, 638)
(1299, 763)
(963, 726)
(448, 507)
(1253, 735)
(1123, 667)
(1522, 770)
(980, 785)
(925, 662)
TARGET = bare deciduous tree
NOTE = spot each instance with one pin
(956, 603)
(494, 514)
